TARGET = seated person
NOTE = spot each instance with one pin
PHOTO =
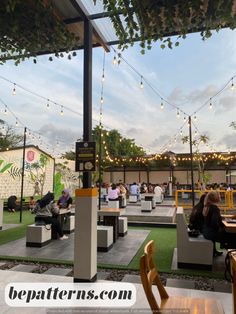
(196, 219)
(113, 193)
(32, 203)
(65, 201)
(213, 227)
(47, 211)
(12, 204)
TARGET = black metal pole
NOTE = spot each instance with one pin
(191, 156)
(22, 174)
(124, 176)
(87, 107)
(100, 167)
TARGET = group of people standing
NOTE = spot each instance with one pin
(206, 218)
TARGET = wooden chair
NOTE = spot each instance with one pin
(150, 276)
(233, 273)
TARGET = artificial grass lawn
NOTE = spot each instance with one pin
(17, 232)
(164, 238)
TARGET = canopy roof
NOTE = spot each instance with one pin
(35, 27)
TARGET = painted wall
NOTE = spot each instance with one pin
(11, 167)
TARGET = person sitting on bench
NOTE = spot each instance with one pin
(46, 210)
(12, 204)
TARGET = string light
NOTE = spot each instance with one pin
(141, 83)
(14, 89)
(17, 122)
(195, 117)
(210, 105)
(62, 112)
(102, 100)
(103, 77)
(185, 118)
(5, 110)
(162, 104)
(114, 60)
(178, 114)
(48, 105)
(232, 87)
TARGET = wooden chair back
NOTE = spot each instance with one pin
(233, 273)
(149, 276)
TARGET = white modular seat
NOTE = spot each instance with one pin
(104, 238)
(133, 198)
(69, 224)
(123, 226)
(146, 206)
(113, 204)
(38, 235)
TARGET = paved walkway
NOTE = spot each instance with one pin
(141, 303)
(121, 253)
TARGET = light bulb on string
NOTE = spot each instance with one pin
(17, 123)
(195, 117)
(185, 118)
(5, 110)
(178, 114)
(232, 87)
(162, 104)
(195, 133)
(114, 60)
(62, 112)
(210, 105)
(103, 77)
(141, 83)
(14, 89)
(181, 132)
(101, 100)
(48, 105)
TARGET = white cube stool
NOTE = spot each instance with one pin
(104, 238)
(133, 198)
(123, 226)
(69, 224)
(38, 236)
(146, 206)
(113, 204)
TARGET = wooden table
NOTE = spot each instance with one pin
(229, 227)
(111, 218)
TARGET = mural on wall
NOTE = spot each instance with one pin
(37, 170)
(65, 177)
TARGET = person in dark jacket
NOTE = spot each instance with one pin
(11, 203)
(213, 227)
(196, 219)
(47, 210)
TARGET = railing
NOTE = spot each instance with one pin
(183, 198)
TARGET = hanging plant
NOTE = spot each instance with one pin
(30, 27)
(150, 20)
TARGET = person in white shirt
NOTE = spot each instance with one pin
(158, 194)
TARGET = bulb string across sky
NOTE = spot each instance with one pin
(49, 99)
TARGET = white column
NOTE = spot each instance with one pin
(85, 244)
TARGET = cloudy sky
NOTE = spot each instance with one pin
(185, 77)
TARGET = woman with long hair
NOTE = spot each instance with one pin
(213, 228)
(196, 219)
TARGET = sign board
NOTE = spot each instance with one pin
(85, 159)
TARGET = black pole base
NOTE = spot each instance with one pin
(86, 280)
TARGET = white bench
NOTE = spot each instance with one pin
(69, 224)
(38, 235)
(133, 198)
(113, 204)
(123, 226)
(104, 238)
(146, 206)
(192, 252)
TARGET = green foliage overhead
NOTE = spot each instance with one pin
(149, 21)
(30, 27)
